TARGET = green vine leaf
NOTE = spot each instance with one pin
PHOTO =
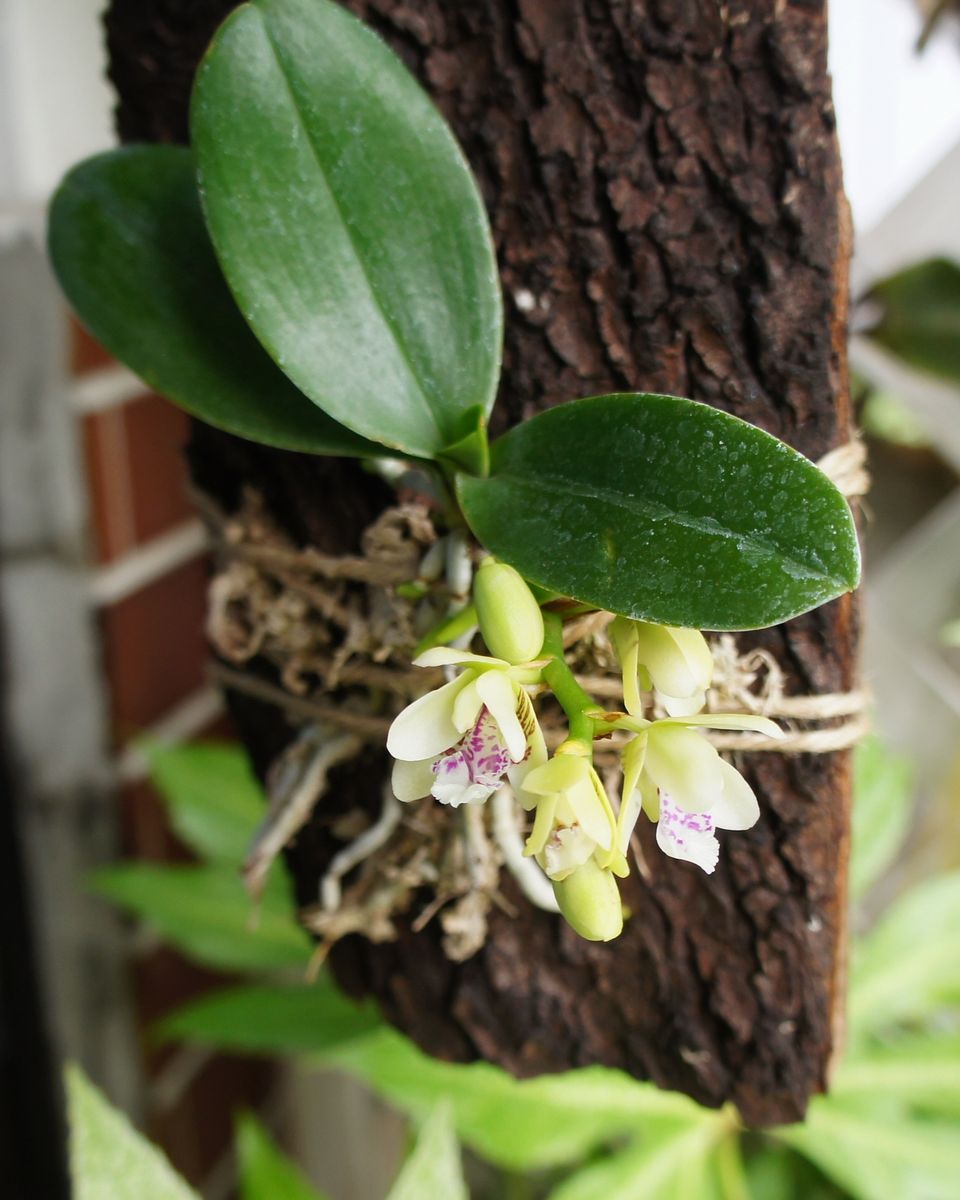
(666, 510)
(130, 249)
(347, 223)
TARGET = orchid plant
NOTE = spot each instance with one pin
(317, 273)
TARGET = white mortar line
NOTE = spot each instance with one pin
(105, 388)
(149, 562)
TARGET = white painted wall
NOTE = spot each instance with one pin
(898, 112)
(55, 102)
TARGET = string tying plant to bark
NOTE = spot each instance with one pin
(318, 274)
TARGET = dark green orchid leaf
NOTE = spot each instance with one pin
(471, 451)
(130, 249)
(667, 510)
(920, 317)
(347, 222)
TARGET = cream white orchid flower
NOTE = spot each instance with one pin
(575, 821)
(458, 742)
(682, 783)
(676, 663)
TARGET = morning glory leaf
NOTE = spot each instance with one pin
(347, 223)
(666, 510)
(130, 249)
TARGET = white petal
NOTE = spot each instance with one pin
(731, 721)
(624, 637)
(542, 825)
(454, 794)
(683, 706)
(737, 808)
(496, 692)
(466, 708)
(630, 798)
(687, 835)
(412, 780)
(566, 849)
(561, 773)
(594, 817)
(684, 764)
(425, 728)
(677, 665)
(447, 656)
(695, 649)
(536, 757)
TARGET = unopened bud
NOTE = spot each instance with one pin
(590, 901)
(509, 617)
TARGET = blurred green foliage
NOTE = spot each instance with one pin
(888, 1129)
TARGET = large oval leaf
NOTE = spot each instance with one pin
(133, 256)
(667, 510)
(347, 223)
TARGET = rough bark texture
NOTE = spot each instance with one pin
(664, 186)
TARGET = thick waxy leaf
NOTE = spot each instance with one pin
(205, 912)
(108, 1158)
(130, 249)
(265, 1173)
(347, 223)
(663, 509)
(433, 1169)
(920, 317)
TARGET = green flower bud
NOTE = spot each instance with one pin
(590, 901)
(510, 619)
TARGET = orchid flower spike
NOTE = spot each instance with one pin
(675, 662)
(681, 782)
(458, 742)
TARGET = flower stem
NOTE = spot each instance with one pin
(573, 699)
(448, 630)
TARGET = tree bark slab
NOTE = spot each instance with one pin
(665, 192)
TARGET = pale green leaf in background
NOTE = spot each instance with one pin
(205, 912)
(347, 223)
(876, 1155)
(433, 1168)
(519, 1124)
(882, 808)
(302, 1018)
(214, 801)
(920, 1070)
(655, 1168)
(908, 966)
(265, 1172)
(920, 316)
(109, 1159)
